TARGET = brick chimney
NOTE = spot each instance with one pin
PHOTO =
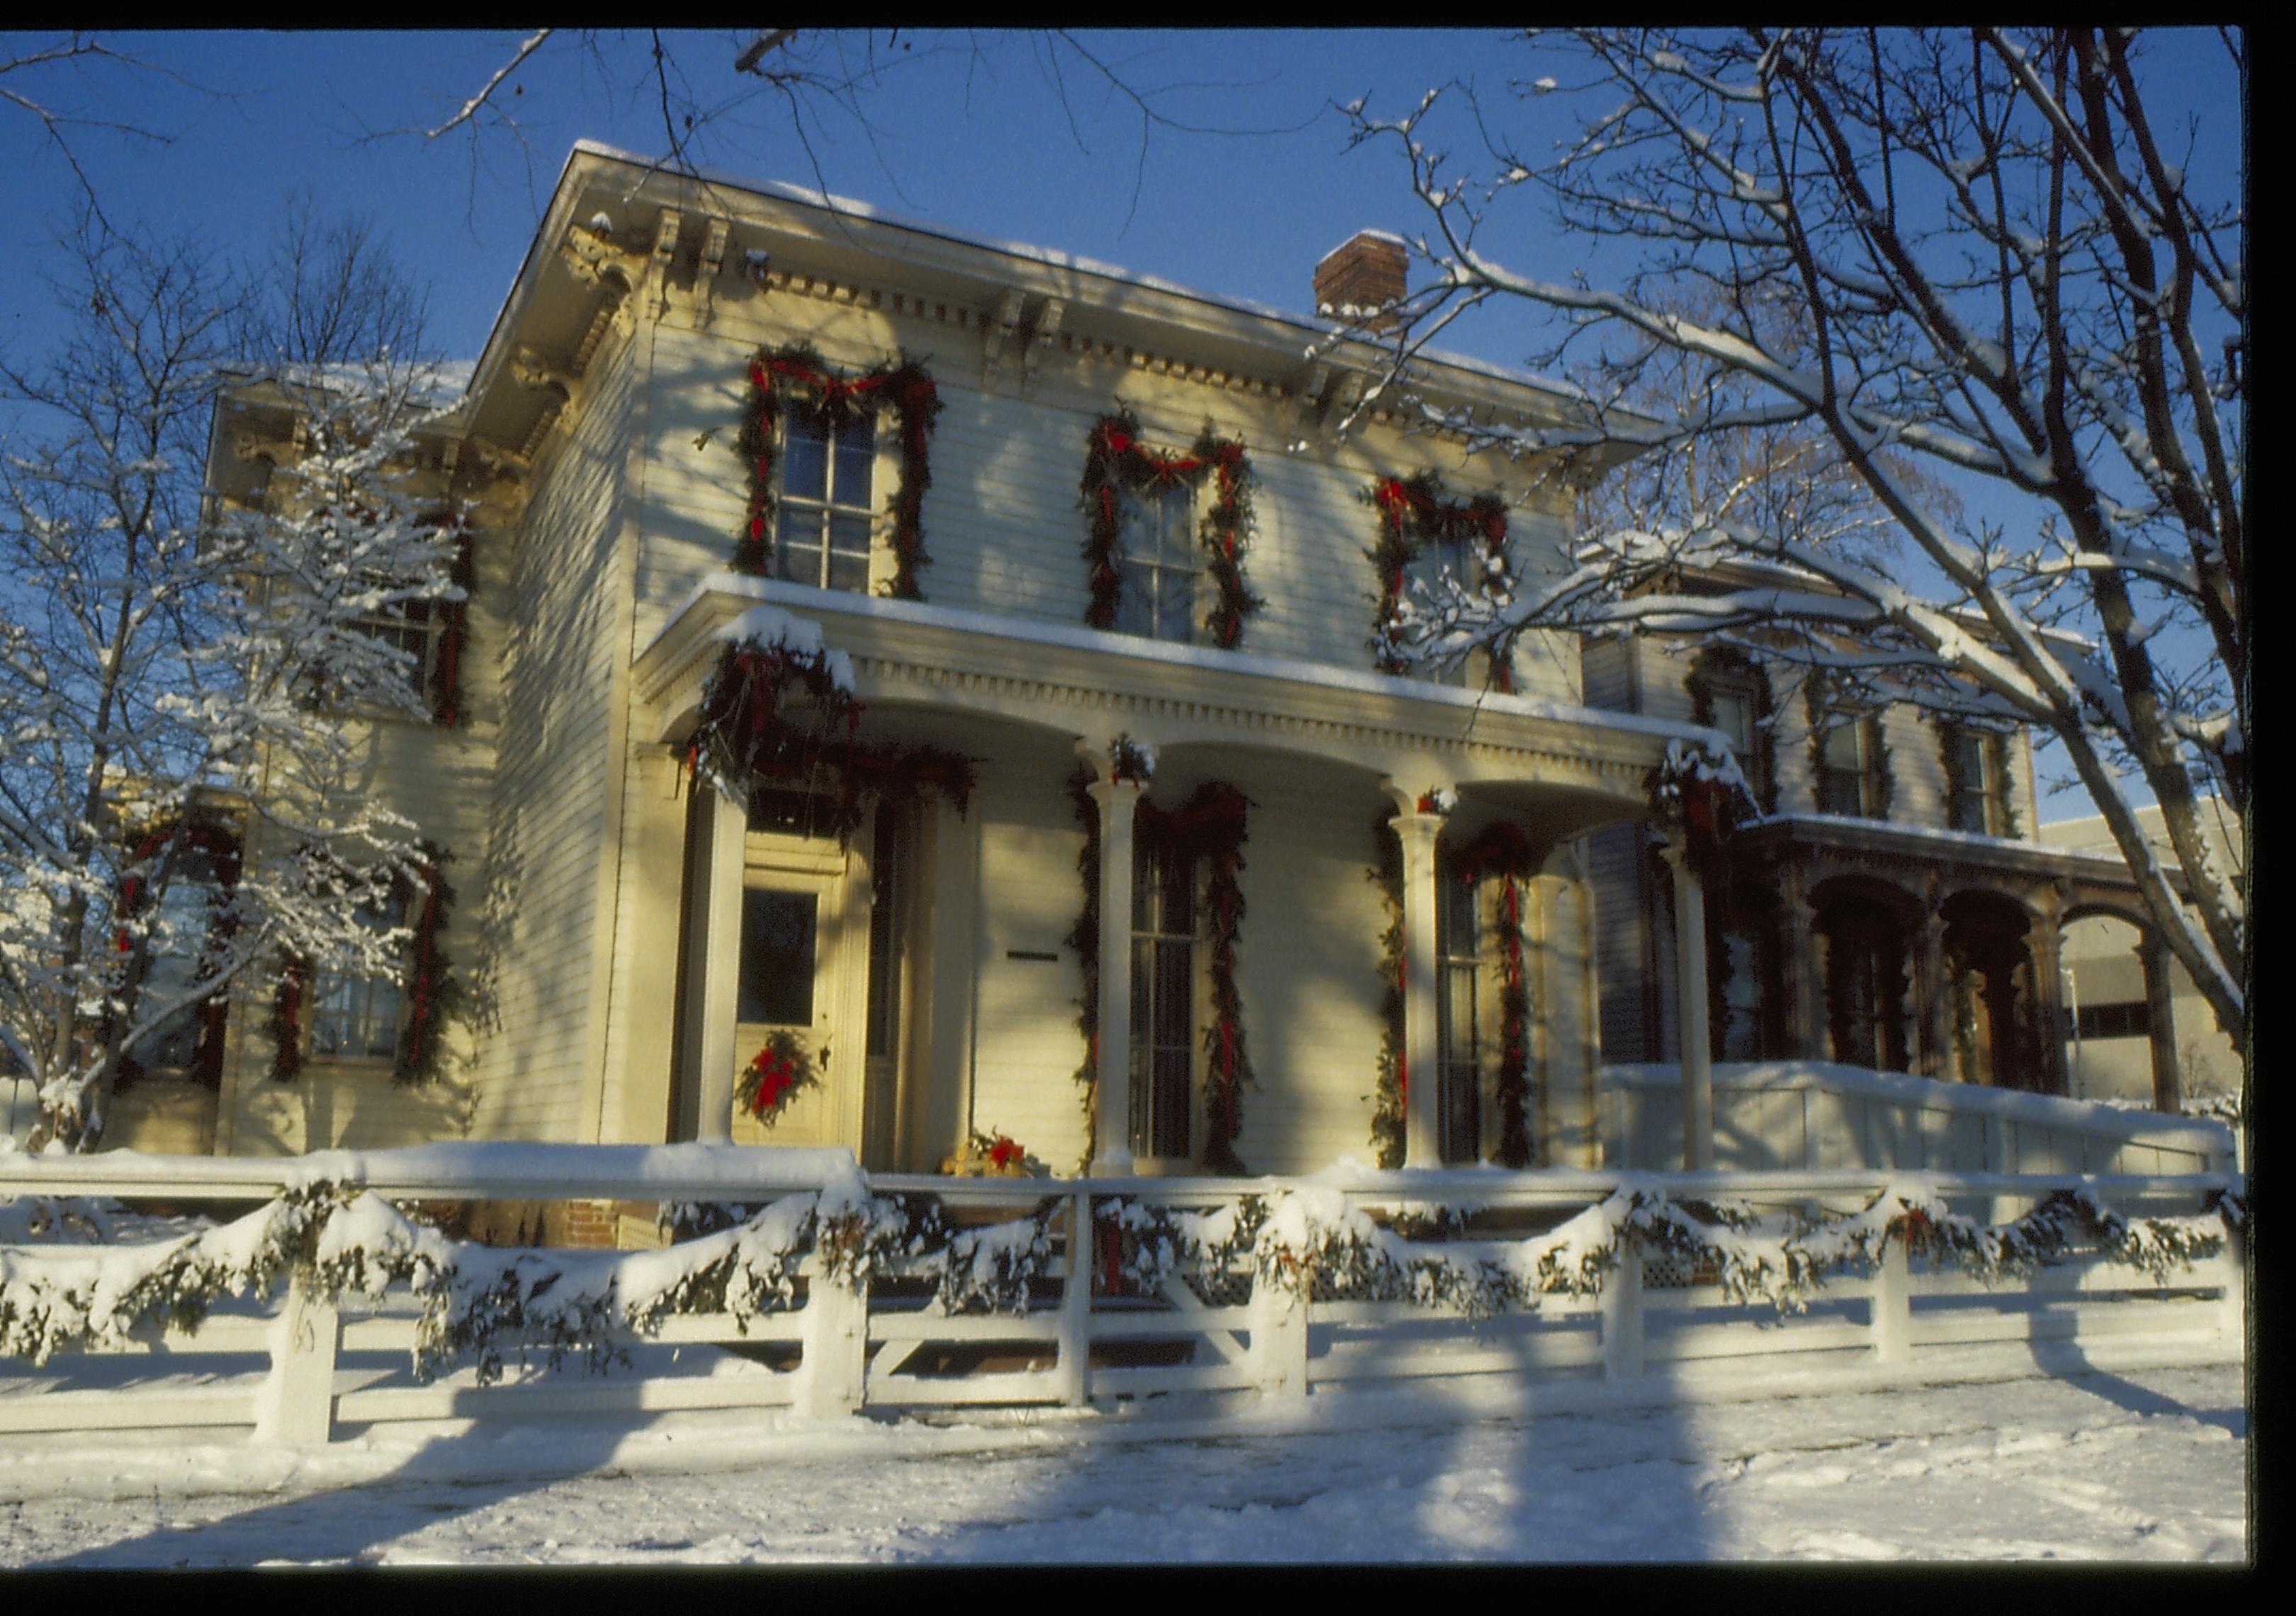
(1365, 272)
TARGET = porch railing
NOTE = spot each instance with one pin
(1087, 1316)
(1786, 1114)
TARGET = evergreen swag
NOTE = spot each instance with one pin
(432, 990)
(1116, 463)
(1700, 793)
(1411, 510)
(798, 374)
(1210, 828)
(746, 739)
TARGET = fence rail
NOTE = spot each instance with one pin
(1080, 1324)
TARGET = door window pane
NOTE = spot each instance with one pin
(777, 958)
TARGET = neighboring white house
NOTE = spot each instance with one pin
(2124, 999)
(961, 549)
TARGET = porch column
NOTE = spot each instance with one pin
(2048, 996)
(1111, 1122)
(1799, 952)
(1937, 1000)
(2168, 1084)
(1416, 828)
(1691, 1009)
(713, 919)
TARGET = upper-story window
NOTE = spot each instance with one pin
(1156, 597)
(1977, 781)
(1853, 776)
(826, 508)
(355, 1017)
(1729, 693)
(415, 629)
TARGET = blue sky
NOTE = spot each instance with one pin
(1004, 134)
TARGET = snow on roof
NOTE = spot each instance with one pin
(806, 196)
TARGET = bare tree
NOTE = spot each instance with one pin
(170, 816)
(1986, 254)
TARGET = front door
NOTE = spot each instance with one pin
(805, 922)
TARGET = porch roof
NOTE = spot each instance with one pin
(1091, 683)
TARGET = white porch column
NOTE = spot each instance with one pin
(1111, 1122)
(1417, 829)
(1691, 1009)
(713, 919)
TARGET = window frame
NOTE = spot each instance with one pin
(1459, 1071)
(1989, 792)
(1132, 505)
(318, 991)
(790, 509)
(1870, 776)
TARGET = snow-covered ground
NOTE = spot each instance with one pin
(2141, 1464)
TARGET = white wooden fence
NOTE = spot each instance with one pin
(1786, 1114)
(304, 1369)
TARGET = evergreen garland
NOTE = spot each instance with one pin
(1392, 1082)
(1085, 938)
(432, 992)
(1411, 511)
(447, 673)
(746, 739)
(222, 846)
(797, 372)
(1116, 463)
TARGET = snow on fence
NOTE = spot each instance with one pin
(1785, 1114)
(799, 1282)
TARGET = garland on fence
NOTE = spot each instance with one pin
(745, 739)
(797, 372)
(1411, 510)
(1309, 1241)
(1504, 851)
(1312, 1241)
(1210, 828)
(1392, 1081)
(775, 1074)
(1700, 793)
(1115, 463)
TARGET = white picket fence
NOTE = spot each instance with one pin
(305, 1369)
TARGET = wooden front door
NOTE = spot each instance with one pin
(804, 967)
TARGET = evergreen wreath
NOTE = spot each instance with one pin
(1701, 793)
(1117, 462)
(775, 1074)
(1210, 828)
(1411, 510)
(747, 740)
(797, 373)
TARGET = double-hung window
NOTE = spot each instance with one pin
(413, 628)
(1849, 773)
(1157, 597)
(1730, 699)
(1163, 997)
(1458, 976)
(1977, 763)
(355, 1016)
(825, 512)
(1460, 557)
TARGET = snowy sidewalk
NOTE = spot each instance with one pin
(2141, 1466)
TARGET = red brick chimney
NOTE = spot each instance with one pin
(1364, 272)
